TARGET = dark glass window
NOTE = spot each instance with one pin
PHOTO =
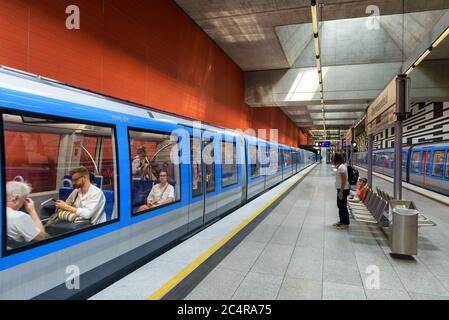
(254, 161)
(47, 165)
(438, 163)
(155, 170)
(229, 171)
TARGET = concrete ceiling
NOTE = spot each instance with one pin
(272, 42)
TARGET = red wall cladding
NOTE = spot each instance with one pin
(149, 52)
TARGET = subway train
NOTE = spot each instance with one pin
(48, 128)
(424, 165)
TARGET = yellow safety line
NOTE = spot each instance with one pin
(162, 291)
(409, 188)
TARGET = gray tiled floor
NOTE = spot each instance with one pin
(295, 253)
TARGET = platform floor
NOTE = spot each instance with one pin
(295, 253)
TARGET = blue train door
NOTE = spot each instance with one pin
(203, 202)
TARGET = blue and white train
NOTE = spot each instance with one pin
(424, 165)
(48, 128)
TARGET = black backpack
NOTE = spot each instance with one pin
(353, 175)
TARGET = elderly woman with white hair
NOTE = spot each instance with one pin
(22, 226)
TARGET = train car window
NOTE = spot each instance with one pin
(447, 165)
(209, 152)
(197, 173)
(438, 163)
(54, 174)
(404, 160)
(415, 161)
(229, 174)
(254, 161)
(287, 158)
(426, 162)
(155, 170)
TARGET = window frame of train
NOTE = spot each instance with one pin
(412, 161)
(251, 146)
(201, 146)
(226, 140)
(178, 182)
(42, 119)
(434, 153)
(446, 165)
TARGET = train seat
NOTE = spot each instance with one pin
(109, 206)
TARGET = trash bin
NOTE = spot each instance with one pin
(404, 231)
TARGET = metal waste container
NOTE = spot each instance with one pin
(404, 231)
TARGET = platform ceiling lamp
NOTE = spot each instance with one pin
(428, 51)
(316, 45)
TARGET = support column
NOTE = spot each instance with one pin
(369, 176)
(402, 108)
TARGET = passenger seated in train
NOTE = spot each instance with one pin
(360, 194)
(22, 226)
(161, 193)
(166, 168)
(151, 172)
(139, 164)
(86, 202)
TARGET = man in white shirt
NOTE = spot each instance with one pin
(89, 202)
(21, 226)
(343, 188)
(161, 193)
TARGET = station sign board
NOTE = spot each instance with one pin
(381, 113)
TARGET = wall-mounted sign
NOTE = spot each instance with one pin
(325, 144)
(380, 113)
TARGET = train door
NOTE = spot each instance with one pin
(426, 165)
(203, 202)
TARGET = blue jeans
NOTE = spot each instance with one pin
(342, 205)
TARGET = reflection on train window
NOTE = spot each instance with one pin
(155, 170)
(60, 177)
(447, 165)
(415, 161)
(254, 161)
(197, 173)
(287, 158)
(229, 175)
(209, 156)
(404, 161)
(426, 162)
(438, 163)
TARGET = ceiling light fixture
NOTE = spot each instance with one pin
(441, 38)
(316, 45)
(427, 52)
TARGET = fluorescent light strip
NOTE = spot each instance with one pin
(314, 18)
(316, 45)
(427, 52)
(423, 56)
(441, 38)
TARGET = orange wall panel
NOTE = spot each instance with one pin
(148, 52)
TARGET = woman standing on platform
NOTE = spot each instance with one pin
(343, 188)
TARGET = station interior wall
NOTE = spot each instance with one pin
(147, 52)
(428, 123)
